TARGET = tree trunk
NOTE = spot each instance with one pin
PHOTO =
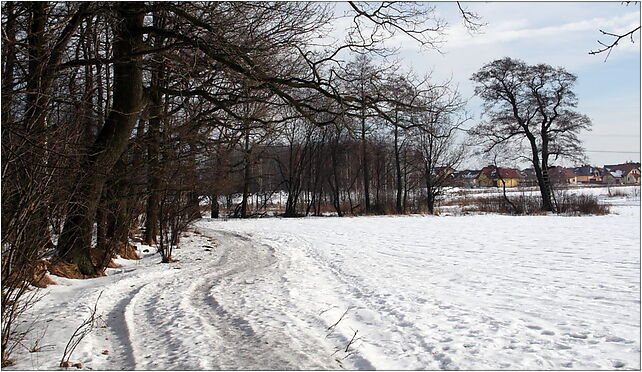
(118, 223)
(193, 206)
(366, 171)
(430, 196)
(246, 175)
(335, 175)
(398, 169)
(75, 239)
(214, 206)
(153, 145)
(542, 182)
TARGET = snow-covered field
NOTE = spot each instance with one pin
(414, 292)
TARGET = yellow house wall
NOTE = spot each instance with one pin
(484, 181)
(510, 182)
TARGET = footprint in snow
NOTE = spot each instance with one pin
(548, 333)
(578, 335)
(535, 327)
(618, 364)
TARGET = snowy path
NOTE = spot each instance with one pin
(167, 316)
(457, 292)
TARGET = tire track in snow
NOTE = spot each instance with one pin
(144, 320)
(240, 347)
(124, 318)
(121, 329)
(185, 315)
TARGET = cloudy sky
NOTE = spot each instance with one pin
(559, 34)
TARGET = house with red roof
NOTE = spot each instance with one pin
(627, 174)
(491, 176)
(562, 176)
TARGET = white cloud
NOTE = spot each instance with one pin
(514, 30)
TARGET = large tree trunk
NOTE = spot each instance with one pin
(153, 165)
(9, 57)
(542, 176)
(292, 182)
(154, 140)
(336, 191)
(546, 181)
(118, 201)
(193, 206)
(214, 206)
(33, 157)
(430, 192)
(75, 239)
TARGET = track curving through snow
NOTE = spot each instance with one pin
(174, 316)
(175, 320)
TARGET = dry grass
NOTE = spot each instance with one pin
(64, 269)
(126, 251)
(568, 204)
(38, 276)
(580, 205)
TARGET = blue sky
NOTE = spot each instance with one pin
(559, 34)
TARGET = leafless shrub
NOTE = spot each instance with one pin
(504, 205)
(346, 352)
(342, 352)
(332, 328)
(528, 205)
(580, 204)
(25, 241)
(79, 334)
(174, 219)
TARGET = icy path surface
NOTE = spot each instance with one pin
(456, 292)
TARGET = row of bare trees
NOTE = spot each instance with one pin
(360, 164)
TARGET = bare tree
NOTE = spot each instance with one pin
(615, 38)
(532, 108)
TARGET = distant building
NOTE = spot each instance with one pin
(467, 178)
(627, 174)
(529, 177)
(492, 176)
(588, 174)
(442, 171)
(562, 176)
